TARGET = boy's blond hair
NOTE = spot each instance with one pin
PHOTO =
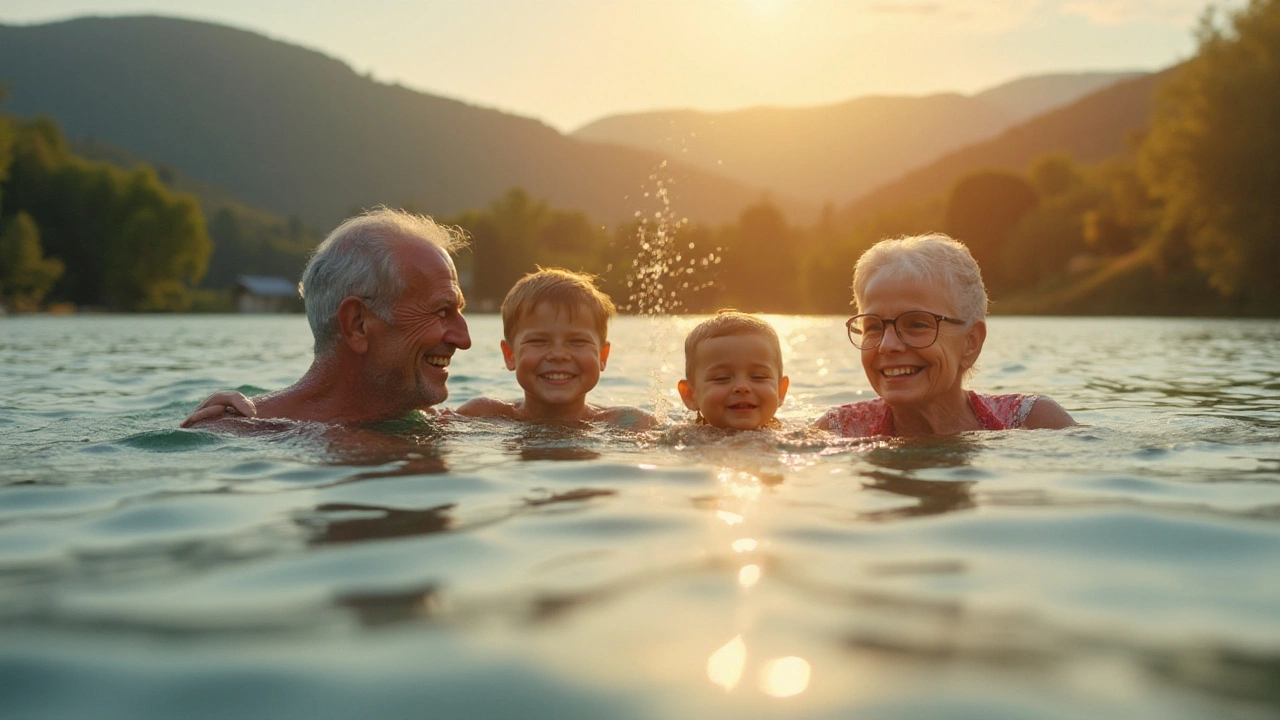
(725, 324)
(565, 289)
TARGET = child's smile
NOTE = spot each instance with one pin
(736, 382)
(557, 356)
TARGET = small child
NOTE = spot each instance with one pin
(555, 326)
(733, 372)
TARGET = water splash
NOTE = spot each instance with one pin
(664, 271)
(665, 268)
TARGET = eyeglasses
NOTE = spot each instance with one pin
(915, 328)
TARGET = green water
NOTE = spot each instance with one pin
(1129, 568)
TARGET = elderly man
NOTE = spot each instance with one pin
(385, 309)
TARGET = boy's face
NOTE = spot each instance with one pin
(736, 382)
(557, 358)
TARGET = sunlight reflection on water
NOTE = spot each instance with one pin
(1122, 569)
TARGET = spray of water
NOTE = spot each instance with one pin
(664, 271)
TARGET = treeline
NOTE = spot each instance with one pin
(90, 233)
(1186, 222)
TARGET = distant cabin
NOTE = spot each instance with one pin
(262, 294)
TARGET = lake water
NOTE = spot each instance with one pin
(1129, 568)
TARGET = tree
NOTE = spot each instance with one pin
(1053, 174)
(516, 234)
(6, 147)
(983, 209)
(25, 275)
(126, 241)
(1213, 153)
(761, 265)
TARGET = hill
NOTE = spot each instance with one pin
(295, 132)
(1091, 129)
(1027, 97)
(837, 152)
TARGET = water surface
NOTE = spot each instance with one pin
(1127, 568)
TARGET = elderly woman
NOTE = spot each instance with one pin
(920, 326)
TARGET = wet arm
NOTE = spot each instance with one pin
(485, 407)
(1047, 415)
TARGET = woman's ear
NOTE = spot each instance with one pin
(354, 318)
(973, 341)
(686, 394)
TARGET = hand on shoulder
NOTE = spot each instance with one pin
(227, 403)
(1047, 415)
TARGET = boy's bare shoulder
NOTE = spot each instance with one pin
(632, 418)
(487, 407)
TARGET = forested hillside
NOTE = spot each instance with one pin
(295, 132)
(1098, 126)
(833, 153)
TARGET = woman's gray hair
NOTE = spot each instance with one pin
(933, 258)
(358, 259)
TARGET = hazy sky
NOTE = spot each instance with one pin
(568, 62)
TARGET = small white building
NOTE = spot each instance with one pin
(263, 294)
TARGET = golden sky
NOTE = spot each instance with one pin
(568, 62)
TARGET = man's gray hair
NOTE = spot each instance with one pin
(935, 258)
(358, 259)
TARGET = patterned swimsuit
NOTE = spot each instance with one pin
(874, 417)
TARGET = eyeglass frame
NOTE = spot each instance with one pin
(937, 330)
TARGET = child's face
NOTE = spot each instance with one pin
(557, 359)
(736, 382)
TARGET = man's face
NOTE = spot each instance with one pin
(408, 358)
(557, 355)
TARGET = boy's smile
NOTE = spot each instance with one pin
(736, 382)
(557, 356)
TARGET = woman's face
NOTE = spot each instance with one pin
(906, 376)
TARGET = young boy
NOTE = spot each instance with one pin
(555, 326)
(733, 372)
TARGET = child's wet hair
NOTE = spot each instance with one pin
(566, 290)
(727, 323)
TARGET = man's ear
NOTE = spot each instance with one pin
(783, 384)
(604, 354)
(973, 341)
(686, 394)
(354, 318)
(508, 355)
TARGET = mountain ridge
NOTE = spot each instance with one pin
(841, 150)
(297, 132)
(1093, 128)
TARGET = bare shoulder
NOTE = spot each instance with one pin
(1047, 415)
(823, 422)
(486, 407)
(631, 418)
